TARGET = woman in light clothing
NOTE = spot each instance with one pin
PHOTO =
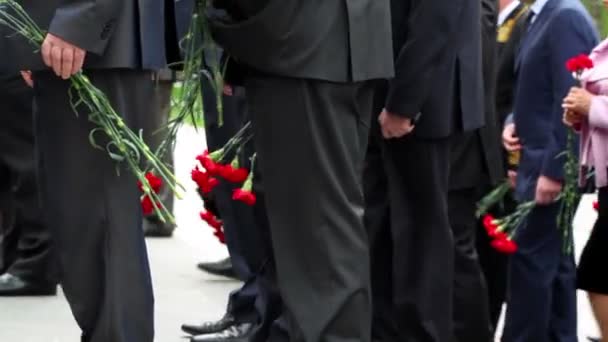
(588, 113)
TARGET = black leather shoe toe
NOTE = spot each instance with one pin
(209, 327)
(221, 268)
(236, 333)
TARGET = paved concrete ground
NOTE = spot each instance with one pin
(182, 293)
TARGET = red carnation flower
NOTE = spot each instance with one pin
(211, 219)
(579, 63)
(154, 182)
(488, 223)
(506, 246)
(211, 184)
(244, 196)
(219, 234)
(206, 216)
(203, 180)
(209, 161)
(147, 206)
(239, 175)
(496, 235)
(596, 205)
(215, 224)
(225, 171)
(232, 174)
(199, 177)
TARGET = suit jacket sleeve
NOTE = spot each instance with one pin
(430, 26)
(570, 36)
(88, 24)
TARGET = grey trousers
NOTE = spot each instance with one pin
(311, 138)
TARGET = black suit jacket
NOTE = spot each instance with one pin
(509, 37)
(116, 33)
(331, 40)
(476, 155)
(428, 40)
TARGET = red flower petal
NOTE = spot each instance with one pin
(239, 175)
(506, 246)
(208, 163)
(499, 235)
(154, 182)
(206, 216)
(220, 236)
(488, 223)
(244, 196)
(210, 185)
(199, 177)
(147, 206)
(225, 171)
(579, 63)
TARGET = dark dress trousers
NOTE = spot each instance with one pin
(406, 179)
(93, 211)
(24, 237)
(310, 103)
(258, 300)
(475, 166)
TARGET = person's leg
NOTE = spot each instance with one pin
(93, 210)
(599, 304)
(563, 323)
(246, 229)
(541, 285)
(422, 240)
(311, 138)
(494, 264)
(35, 263)
(591, 276)
(30, 260)
(471, 312)
(377, 223)
(7, 231)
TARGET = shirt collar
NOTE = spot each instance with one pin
(506, 12)
(538, 6)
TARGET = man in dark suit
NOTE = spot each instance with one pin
(541, 299)
(511, 25)
(93, 211)
(407, 167)
(253, 308)
(475, 166)
(24, 238)
(310, 100)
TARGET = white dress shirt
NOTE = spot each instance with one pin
(506, 12)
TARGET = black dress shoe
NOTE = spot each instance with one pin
(209, 327)
(221, 268)
(236, 333)
(11, 286)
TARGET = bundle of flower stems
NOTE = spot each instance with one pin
(196, 46)
(124, 145)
